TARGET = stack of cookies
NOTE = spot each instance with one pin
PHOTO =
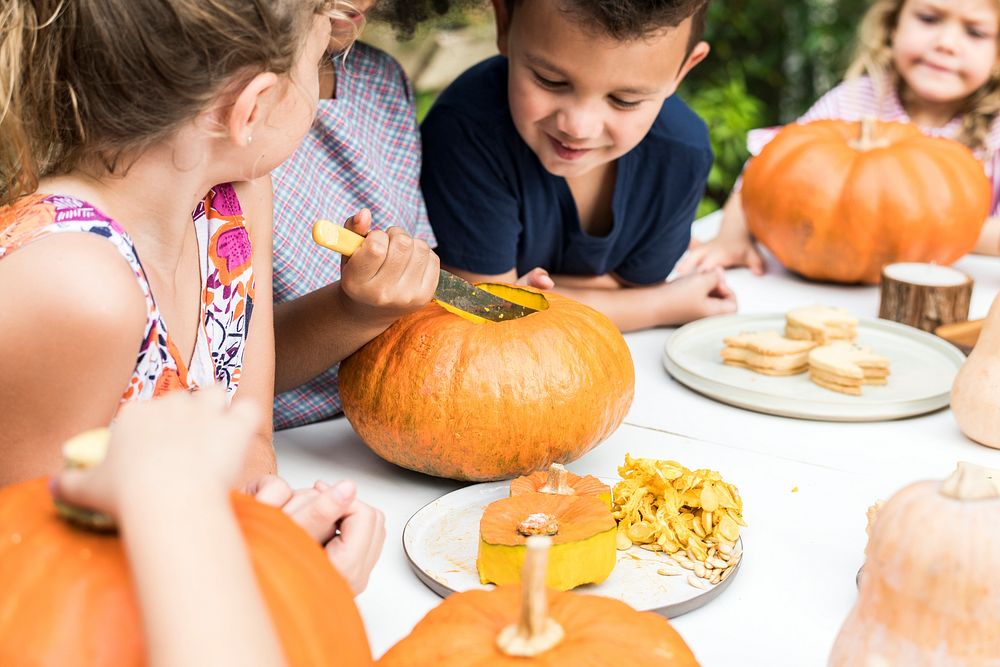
(844, 367)
(821, 324)
(767, 352)
(817, 339)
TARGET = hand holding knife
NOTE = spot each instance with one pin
(451, 289)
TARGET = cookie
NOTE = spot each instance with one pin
(821, 324)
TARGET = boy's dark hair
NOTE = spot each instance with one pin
(405, 15)
(632, 19)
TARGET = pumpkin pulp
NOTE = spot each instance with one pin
(583, 548)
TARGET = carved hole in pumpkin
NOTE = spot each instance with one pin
(518, 295)
(538, 523)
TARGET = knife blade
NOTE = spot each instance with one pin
(451, 289)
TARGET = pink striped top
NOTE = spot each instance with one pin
(860, 98)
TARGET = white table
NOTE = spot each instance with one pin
(805, 486)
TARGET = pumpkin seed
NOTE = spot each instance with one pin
(697, 582)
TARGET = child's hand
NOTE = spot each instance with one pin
(724, 251)
(193, 441)
(698, 295)
(390, 275)
(355, 548)
(538, 278)
(351, 531)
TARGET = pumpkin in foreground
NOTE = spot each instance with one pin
(530, 626)
(66, 597)
(451, 395)
(837, 200)
(926, 597)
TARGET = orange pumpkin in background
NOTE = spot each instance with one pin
(448, 394)
(66, 596)
(837, 200)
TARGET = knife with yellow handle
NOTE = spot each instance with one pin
(451, 289)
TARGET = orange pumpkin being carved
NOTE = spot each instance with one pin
(836, 200)
(444, 394)
(66, 597)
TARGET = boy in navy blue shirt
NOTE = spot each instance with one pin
(567, 157)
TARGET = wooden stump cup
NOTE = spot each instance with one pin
(924, 296)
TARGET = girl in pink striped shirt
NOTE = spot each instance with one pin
(930, 62)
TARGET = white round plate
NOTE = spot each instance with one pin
(922, 368)
(441, 541)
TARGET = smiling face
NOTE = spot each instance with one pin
(945, 50)
(581, 99)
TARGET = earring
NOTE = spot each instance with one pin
(249, 139)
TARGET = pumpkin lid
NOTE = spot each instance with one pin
(510, 521)
(558, 480)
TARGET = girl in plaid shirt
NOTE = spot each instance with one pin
(363, 154)
(931, 62)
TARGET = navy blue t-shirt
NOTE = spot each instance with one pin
(493, 206)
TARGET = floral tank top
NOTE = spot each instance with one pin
(226, 277)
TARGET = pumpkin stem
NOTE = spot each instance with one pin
(558, 481)
(970, 482)
(867, 141)
(535, 632)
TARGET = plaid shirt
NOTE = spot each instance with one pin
(363, 151)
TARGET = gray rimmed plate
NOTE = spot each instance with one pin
(441, 541)
(922, 368)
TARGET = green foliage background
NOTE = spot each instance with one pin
(770, 60)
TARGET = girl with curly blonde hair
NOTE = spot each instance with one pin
(931, 62)
(361, 161)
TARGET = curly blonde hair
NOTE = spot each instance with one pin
(873, 56)
(102, 80)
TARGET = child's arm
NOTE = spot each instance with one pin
(257, 379)
(69, 337)
(733, 246)
(633, 308)
(194, 582)
(319, 513)
(390, 275)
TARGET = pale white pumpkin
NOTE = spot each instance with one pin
(975, 393)
(930, 593)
